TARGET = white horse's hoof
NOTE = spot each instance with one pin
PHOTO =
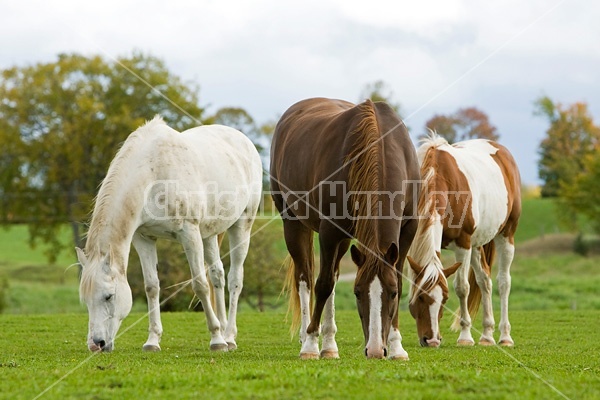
(219, 347)
(309, 356)
(401, 357)
(151, 347)
(231, 346)
(506, 343)
(330, 354)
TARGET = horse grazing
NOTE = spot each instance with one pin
(188, 187)
(345, 171)
(471, 203)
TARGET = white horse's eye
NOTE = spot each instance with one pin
(108, 297)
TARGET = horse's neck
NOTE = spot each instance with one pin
(428, 240)
(111, 230)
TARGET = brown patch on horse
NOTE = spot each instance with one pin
(512, 181)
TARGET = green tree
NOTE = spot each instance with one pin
(464, 124)
(62, 122)
(570, 140)
(379, 91)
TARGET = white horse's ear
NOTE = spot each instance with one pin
(81, 256)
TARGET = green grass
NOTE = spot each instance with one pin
(552, 348)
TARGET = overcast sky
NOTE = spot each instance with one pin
(435, 56)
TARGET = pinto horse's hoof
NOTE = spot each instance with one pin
(151, 348)
(506, 343)
(465, 342)
(486, 342)
(231, 346)
(219, 347)
(330, 354)
(399, 357)
(309, 356)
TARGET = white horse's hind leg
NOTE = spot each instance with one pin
(216, 274)
(461, 287)
(146, 249)
(192, 243)
(485, 284)
(239, 241)
(506, 253)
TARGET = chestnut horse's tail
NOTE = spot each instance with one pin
(291, 287)
(488, 253)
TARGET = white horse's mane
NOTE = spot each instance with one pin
(109, 185)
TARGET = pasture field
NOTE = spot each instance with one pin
(555, 357)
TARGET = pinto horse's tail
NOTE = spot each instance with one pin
(488, 253)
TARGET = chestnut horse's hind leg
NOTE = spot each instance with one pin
(299, 242)
(146, 249)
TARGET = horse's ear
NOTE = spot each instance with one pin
(358, 257)
(391, 256)
(81, 256)
(413, 264)
(450, 270)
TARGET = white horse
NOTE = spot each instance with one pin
(188, 187)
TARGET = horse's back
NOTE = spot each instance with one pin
(494, 185)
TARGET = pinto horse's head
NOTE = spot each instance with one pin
(105, 291)
(428, 294)
(376, 291)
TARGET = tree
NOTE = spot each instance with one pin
(464, 124)
(379, 91)
(581, 194)
(62, 122)
(263, 275)
(570, 139)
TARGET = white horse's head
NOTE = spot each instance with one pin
(106, 292)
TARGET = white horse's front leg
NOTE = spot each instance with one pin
(239, 241)
(461, 287)
(192, 243)
(329, 348)
(146, 249)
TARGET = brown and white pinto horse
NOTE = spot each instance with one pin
(345, 171)
(470, 202)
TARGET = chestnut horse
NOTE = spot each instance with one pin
(345, 171)
(471, 203)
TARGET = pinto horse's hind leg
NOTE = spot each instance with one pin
(146, 249)
(461, 287)
(191, 240)
(485, 285)
(506, 253)
(239, 241)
